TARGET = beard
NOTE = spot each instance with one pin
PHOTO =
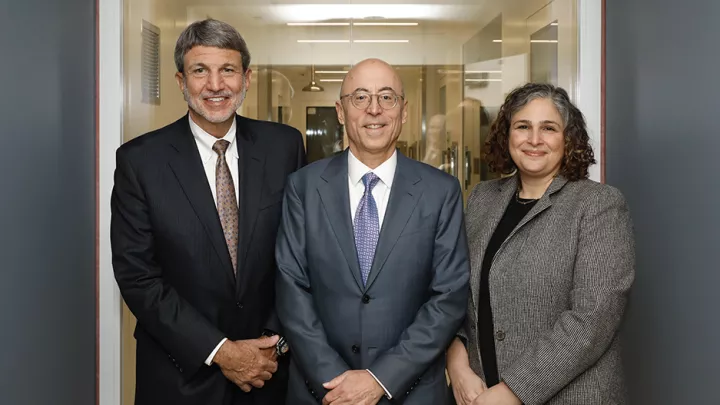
(195, 103)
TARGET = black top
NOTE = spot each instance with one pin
(514, 213)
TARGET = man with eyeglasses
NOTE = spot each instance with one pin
(372, 260)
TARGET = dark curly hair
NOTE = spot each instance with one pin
(578, 154)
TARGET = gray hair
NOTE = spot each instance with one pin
(211, 33)
(523, 95)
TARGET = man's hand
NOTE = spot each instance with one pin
(466, 385)
(247, 362)
(270, 353)
(497, 395)
(354, 387)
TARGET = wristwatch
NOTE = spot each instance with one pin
(282, 346)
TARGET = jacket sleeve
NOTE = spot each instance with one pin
(273, 322)
(317, 360)
(181, 330)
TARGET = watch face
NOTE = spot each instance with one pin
(282, 346)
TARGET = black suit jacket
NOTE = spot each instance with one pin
(173, 267)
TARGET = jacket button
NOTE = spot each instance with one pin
(355, 349)
(239, 305)
(365, 299)
(500, 335)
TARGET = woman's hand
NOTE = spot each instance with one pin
(497, 395)
(466, 386)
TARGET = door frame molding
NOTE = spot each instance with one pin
(590, 91)
(109, 127)
(109, 114)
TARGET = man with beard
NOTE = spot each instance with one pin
(195, 212)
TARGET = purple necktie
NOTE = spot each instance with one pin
(367, 226)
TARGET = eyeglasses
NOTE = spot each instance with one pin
(387, 100)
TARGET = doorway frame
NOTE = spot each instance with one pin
(109, 112)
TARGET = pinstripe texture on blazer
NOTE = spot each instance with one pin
(558, 289)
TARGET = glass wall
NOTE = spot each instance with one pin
(457, 62)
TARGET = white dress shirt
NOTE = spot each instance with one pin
(381, 191)
(381, 194)
(209, 159)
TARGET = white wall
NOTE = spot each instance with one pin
(171, 18)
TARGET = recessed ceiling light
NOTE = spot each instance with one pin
(329, 12)
(544, 41)
(326, 24)
(323, 41)
(359, 41)
(381, 41)
(497, 40)
(390, 24)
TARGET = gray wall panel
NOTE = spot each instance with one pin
(662, 151)
(47, 209)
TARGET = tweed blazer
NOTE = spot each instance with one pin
(558, 289)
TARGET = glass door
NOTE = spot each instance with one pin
(535, 41)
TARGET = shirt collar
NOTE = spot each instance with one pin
(386, 171)
(205, 141)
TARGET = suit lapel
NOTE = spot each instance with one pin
(500, 200)
(544, 203)
(505, 192)
(251, 169)
(188, 169)
(335, 197)
(404, 196)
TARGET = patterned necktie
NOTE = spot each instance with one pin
(367, 226)
(226, 201)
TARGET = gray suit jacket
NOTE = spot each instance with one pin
(558, 288)
(401, 323)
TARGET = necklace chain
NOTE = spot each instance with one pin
(520, 201)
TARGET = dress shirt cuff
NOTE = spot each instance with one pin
(210, 358)
(387, 393)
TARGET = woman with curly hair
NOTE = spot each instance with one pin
(552, 257)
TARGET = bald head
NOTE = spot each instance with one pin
(375, 113)
(372, 70)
